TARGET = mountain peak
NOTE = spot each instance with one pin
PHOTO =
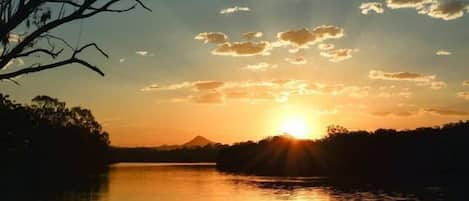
(198, 141)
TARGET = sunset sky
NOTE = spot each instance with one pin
(236, 70)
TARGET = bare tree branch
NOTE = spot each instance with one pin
(37, 13)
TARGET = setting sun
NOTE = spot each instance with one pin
(295, 126)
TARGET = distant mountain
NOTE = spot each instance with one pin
(198, 141)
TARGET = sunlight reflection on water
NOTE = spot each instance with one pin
(202, 182)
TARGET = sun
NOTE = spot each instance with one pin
(296, 127)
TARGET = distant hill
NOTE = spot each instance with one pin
(197, 141)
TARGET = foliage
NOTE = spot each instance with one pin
(47, 136)
(384, 152)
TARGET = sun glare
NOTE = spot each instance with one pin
(296, 127)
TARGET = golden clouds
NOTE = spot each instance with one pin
(303, 38)
(252, 35)
(338, 55)
(233, 10)
(400, 76)
(445, 112)
(299, 60)
(246, 48)
(464, 95)
(254, 91)
(447, 11)
(395, 4)
(260, 67)
(371, 6)
(212, 37)
(443, 53)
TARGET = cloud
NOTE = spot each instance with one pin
(121, 60)
(371, 6)
(447, 10)
(16, 62)
(400, 76)
(443, 53)
(464, 95)
(398, 114)
(303, 38)
(252, 35)
(438, 85)
(254, 91)
(207, 98)
(338, 55)
(212, 37)
(142, 52)
(246, 48)
(233, 10)
(446, 112)
(14, 38)
(297, 60)
(260, 67)
(465, 83)
(418, 4)
(176, 86)
(393, 91)
(326, 46)
(207, 85)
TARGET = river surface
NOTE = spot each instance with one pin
(202, 182)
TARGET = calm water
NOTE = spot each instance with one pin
(180, 182)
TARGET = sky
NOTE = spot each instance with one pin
(237, 70)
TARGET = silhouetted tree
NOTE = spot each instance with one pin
(429, 151)
(47, 136)
(40, 17)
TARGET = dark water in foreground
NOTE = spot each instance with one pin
(180, 182)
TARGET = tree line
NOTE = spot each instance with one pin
(427, 151)
(47, 137)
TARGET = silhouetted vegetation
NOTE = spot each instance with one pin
(48, 138)
(206, 153)
(385, 152)
(40, 18)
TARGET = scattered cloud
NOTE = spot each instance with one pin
(142, 52)
(395, 113)
(246, 48)
(14, 38)
(297, 60)
(207, 85)
(446, 112)
(338, 55)
(465, 83)
(212, 37)
(233, 10)
(464, 95)
(254, 91)
(260, 67)
(449, 10)
(443, 53)
(438, 85)
(417, 4)
(303, 38)
(400, 76)
(252, 35)
(371, 6)
(445, 10)
(207, 98)
(326, 46)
